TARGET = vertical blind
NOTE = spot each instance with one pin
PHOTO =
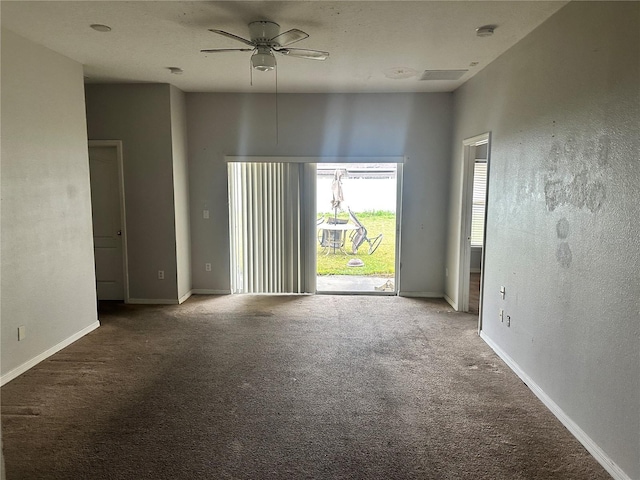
(479, 199)
(267, 229)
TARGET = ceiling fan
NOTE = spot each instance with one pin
(267, 39)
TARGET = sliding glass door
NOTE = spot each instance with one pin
(357, 221)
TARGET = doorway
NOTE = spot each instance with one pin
(357, 224)
(475, 171)
(108, 214)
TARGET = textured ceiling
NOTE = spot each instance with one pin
(366, 40)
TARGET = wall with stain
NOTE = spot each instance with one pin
(563, 107)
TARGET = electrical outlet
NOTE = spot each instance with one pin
(205, 214)
(160, 274)
(207, 267)
(501, 315)
(22, 332)
(508, 321)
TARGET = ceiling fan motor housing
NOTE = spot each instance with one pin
(263, 31)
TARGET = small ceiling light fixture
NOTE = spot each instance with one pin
(98, 27)
(263, 60)
(485, 31)
(400, 73)
(175, 70)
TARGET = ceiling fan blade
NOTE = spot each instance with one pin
(290, 36)
(220, 50)
(231, 35)
(303, 53)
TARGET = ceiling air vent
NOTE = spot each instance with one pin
(442, 74)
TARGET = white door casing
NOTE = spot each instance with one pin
(107, 204)
(469, 149)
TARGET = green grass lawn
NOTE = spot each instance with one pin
(381, 263)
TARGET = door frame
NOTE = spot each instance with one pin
(399, 186)
(309, 201)
(466, 208)
(399, 163)
(117, 144)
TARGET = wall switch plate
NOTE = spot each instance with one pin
(160, 274)
(207, 267)
(502, 291)
(501, 315)
(22, 332)
(205, 214)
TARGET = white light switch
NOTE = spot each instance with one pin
(22, 332)
(205, 213)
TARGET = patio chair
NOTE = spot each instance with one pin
(359, 236)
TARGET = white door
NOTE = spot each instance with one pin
(107, 222)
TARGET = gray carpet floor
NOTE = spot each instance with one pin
(283, 387)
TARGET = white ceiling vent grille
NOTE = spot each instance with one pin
(442, 74)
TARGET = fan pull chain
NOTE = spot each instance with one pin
(277, 137)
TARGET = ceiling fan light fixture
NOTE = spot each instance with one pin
(263, 60)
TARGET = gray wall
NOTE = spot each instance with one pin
(181, 189)
(418, 126)
(140, 116)
(48, 279)
(563, 107)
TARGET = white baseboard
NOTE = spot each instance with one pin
(453, 304)
(475, 270)
(7, 377)
(338, 292)
(421, 294)
(207, 291)
(185, 296)
(154, 301)
(182, 299)
(600, 455)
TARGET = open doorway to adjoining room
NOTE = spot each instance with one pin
(475, 172)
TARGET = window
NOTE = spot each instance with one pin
(479, 198)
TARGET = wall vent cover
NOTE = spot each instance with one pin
(442, 74)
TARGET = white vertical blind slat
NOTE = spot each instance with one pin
(277, 234)
(259, 238)
(269, 229)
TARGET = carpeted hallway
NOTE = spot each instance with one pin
(272, 387)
